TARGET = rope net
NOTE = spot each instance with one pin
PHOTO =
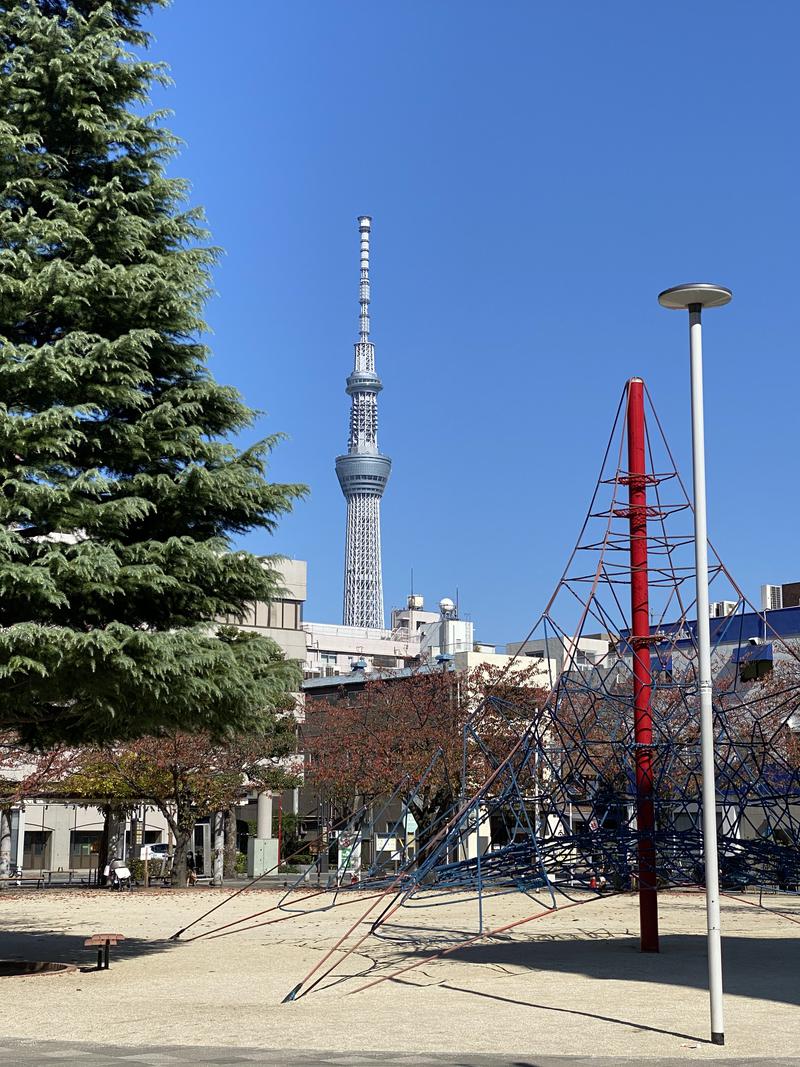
(549, 796)
(559, 809)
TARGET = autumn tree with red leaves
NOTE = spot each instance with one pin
(188, 777)
(400, 730)
(25, 774)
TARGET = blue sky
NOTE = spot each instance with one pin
(537, 173)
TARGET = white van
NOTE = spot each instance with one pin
(156, 851)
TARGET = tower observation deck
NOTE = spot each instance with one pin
(363, 472)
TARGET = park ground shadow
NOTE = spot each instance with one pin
(56, 947)
(763, 968)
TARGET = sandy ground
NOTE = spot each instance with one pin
(570, 983)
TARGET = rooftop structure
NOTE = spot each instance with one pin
(415, 634)
(786, 595)
(363, 472)
(559, 653)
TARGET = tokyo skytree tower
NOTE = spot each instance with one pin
(363, 472)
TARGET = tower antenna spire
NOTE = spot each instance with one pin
(363, 472)
(364, 225)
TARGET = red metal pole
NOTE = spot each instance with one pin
(640, 643)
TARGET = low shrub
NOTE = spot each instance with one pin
(136, 867)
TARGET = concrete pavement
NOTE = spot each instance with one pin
(68, 1053)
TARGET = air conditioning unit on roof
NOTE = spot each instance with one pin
(721, 608)
(771, 597)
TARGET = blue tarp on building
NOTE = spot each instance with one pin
(752, 653)
(736, 629)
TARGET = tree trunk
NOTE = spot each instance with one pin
(430, 817)
(112, 844)
(104, 855)
(231, 838)
(218, 846)
(183, 839)
(5, 846)
(116, 831)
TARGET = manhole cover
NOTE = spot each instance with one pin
(11, 968)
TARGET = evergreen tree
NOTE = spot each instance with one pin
(120, 487)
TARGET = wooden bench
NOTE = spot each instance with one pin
(62, 877)
(20, 881)
(103, 943)
(44, 879)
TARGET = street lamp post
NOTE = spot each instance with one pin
(694, 297)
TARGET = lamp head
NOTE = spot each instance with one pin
(692, 294)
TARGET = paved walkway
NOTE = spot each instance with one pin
(68, 1053)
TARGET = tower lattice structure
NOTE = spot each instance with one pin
(363, 472)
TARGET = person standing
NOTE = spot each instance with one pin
(191, 869)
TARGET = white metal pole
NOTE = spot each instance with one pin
(704, 670)
(264, 814)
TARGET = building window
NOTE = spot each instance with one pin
(754, 670)
(282, 615)
(151, 837)
(328, 661)
(84, 848)
(385, 661)
(754, 660)
(36, 849)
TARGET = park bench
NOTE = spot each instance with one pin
(46, 879)
(64, 877)
(20, 881)
(103, 943)
(40, 879)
